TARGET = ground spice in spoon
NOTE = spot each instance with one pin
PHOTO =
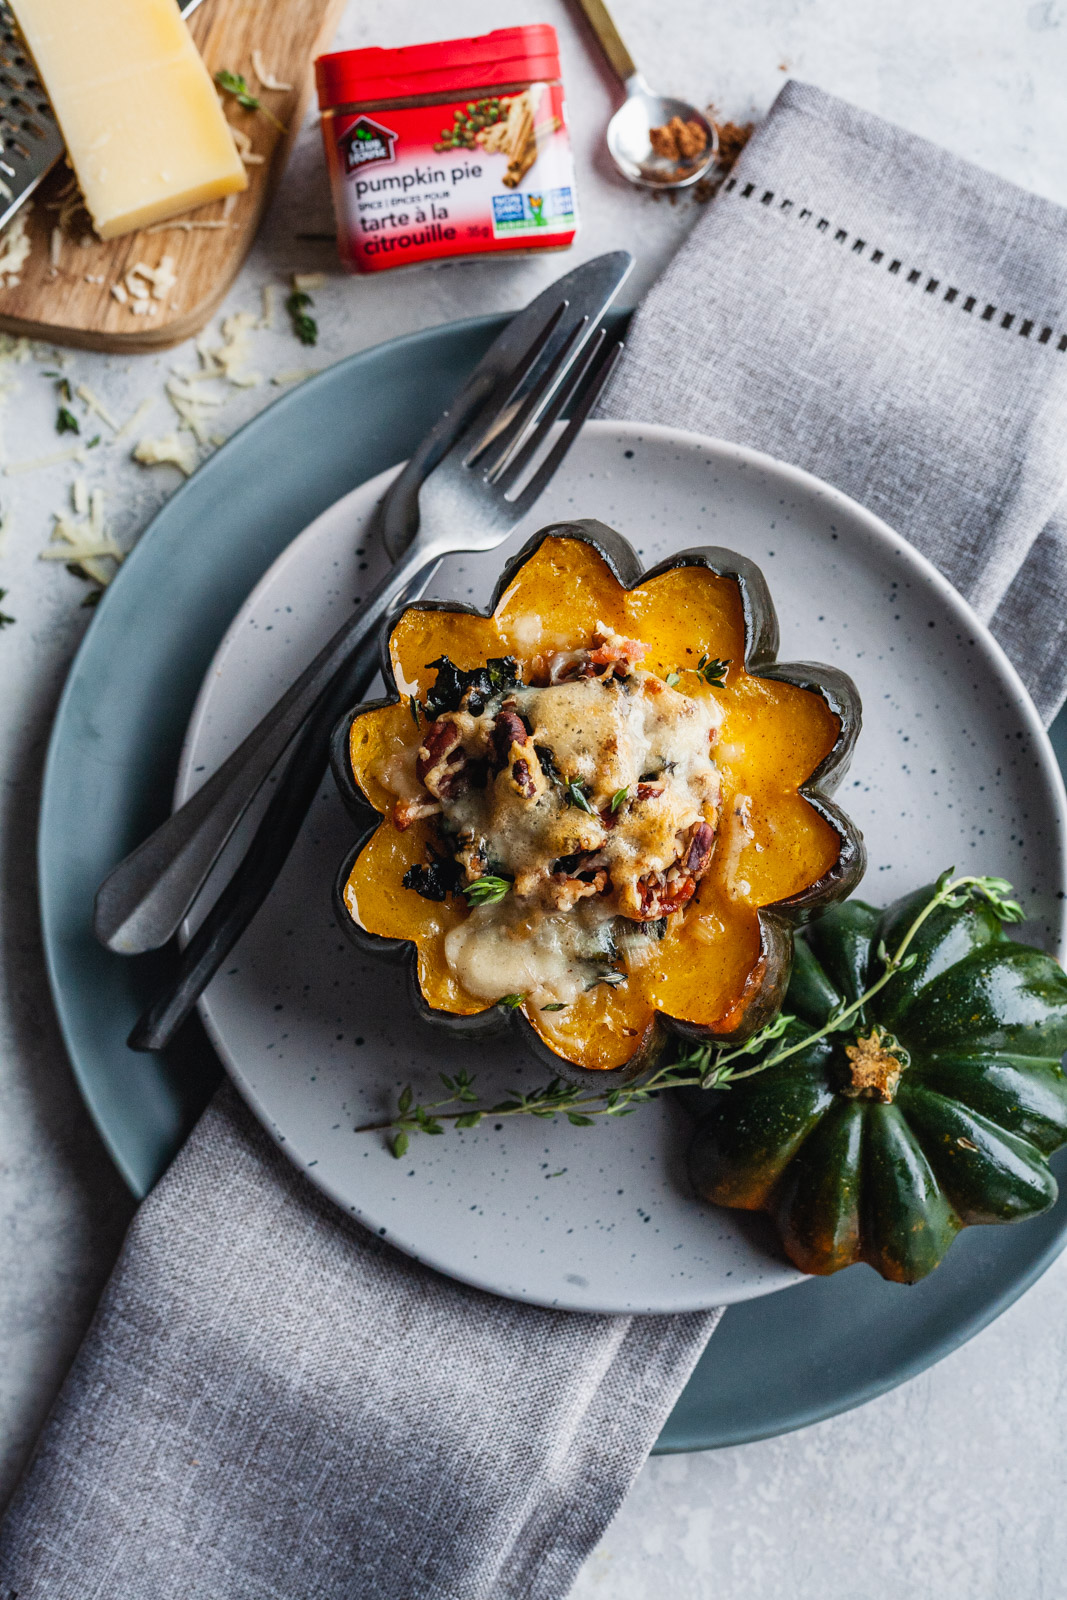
(678, 141)
(733, 136)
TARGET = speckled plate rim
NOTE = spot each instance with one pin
(769, 1369)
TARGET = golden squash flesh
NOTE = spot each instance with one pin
(782, 848)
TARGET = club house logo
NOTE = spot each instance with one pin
(366, 141)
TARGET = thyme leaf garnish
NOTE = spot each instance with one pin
(709, 669)
(618, 797)
(305, 327)
(486, 891)
(511, 1002)
(236, 84)
(713, 671)
(5, 620)
(576, 796)
(66, 421)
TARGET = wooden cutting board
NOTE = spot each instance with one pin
(72, 303)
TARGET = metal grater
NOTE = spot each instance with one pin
(30, 140)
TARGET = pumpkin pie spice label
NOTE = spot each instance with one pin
(420, 183)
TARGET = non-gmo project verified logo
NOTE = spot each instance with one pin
(528, 213)
(364, 142)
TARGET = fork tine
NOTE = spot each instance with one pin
(584, 387)
(513, 422)
(508, 471)
(484, 421)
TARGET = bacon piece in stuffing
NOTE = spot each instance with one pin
(609, 650)
(662, 893)
(609, 656)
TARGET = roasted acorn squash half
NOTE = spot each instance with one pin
(937, 1108)
(783, 850)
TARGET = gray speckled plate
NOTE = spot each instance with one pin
(952, 767)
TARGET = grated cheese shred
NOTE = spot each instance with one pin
(185, 225)
(93, 403)
(294, 375)
(15, 247)
(244, 147)
(86, 543)
(172, 449)
(75, 452)
(267, 79)
(135, 420)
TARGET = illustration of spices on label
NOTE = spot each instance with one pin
(448, 149)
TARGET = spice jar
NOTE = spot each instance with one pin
(453, 149)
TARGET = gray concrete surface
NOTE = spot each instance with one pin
(953, 1485)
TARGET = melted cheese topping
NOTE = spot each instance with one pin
(503, 949)
(610, 733)
(606, 736)
(588, 795)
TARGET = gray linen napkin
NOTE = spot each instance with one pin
(273, 1405)
(270, 1405)
(860, 303)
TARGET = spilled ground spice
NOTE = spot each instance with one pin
(733, 137)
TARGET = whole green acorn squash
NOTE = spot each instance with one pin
(936, 1108)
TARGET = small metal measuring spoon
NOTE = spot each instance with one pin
(629, 143)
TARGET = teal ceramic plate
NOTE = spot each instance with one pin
(775, 1363)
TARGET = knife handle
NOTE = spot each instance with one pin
(253, 880)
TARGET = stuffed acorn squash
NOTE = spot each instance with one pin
(937, 1107)
(601, 806)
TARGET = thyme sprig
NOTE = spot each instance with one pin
(411, 1118)
(706, 1066)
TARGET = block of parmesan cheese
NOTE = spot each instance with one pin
(144, 129)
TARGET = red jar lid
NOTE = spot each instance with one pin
(507, 55)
